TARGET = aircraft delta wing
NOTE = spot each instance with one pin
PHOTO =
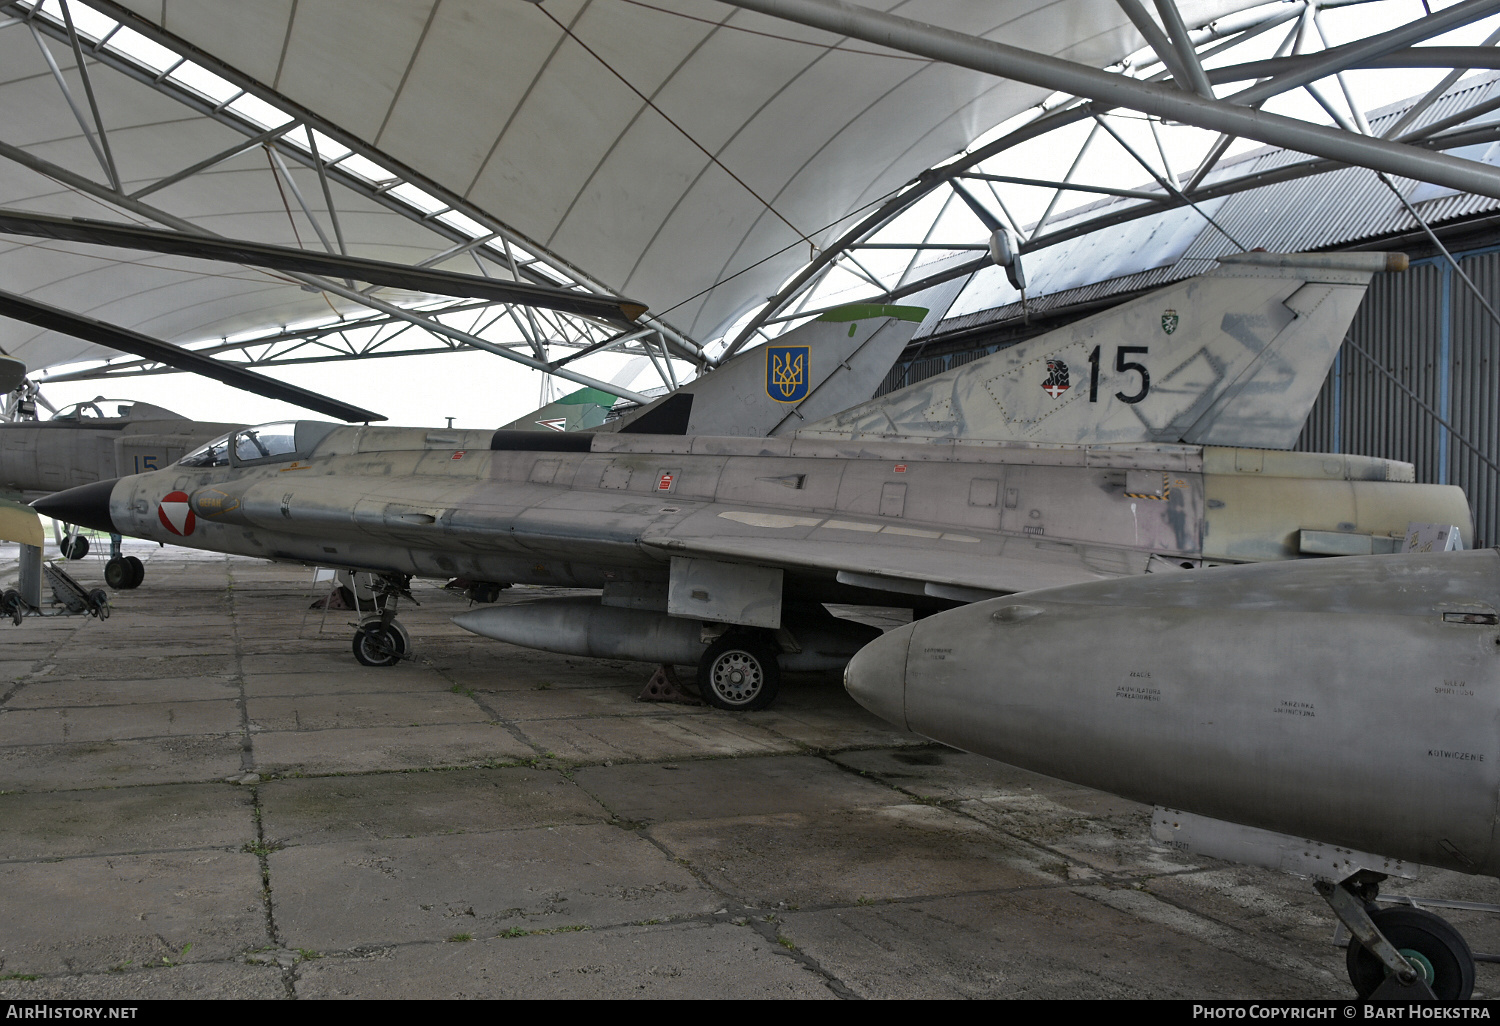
(723, 551)
(1299, 716)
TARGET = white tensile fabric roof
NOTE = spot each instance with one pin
(492, 101)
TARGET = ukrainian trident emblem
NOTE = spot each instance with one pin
(786, 373)
(1057, 378)
(1169, 321)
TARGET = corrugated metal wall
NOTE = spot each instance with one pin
(1361, 410)
(1475, 402)
(1426, 328)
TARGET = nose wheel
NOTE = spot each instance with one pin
(124, 572)
(1398, 954)
(1430, 945)
(378, 643)
(380, 640)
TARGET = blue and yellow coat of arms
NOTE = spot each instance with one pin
(786, 373)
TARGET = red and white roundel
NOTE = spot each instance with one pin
(175, 513)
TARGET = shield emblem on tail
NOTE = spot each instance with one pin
(1057, 378)
(1169, 321)
(786, 373)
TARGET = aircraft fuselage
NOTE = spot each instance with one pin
(946, 521)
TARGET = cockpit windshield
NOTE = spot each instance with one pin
(213, 454)
(265, 441)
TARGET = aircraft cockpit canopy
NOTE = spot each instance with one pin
(209, 454)
(101, 408)
(264, 443)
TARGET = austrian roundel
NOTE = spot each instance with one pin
(175, 513)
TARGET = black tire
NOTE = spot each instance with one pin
(377, 644)
(117, 574)
(75, 547)
(1423, 938)
(137, 572)
(12, 606)
(99, 603)
(739, 673)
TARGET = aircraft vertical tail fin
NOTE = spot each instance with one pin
(1236, 356)
(809, 373)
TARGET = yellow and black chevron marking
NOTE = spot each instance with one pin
(1166, 491)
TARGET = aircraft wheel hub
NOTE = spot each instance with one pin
(737, 676)
(1421, 964)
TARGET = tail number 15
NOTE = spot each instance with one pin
(1124, 366)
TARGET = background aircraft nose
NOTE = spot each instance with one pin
(86, 506)
(876, 676)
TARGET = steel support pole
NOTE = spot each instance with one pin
(1187, 53)
(1352, 54)
(1048, 72)
(1160, 44)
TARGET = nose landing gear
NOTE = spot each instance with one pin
(1402, 953)
(124, 572)
(380, 640)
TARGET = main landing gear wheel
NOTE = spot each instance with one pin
(1429, 942)
(381, 644)
(124, 572)
(739, 674)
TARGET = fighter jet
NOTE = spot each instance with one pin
(726, 552)
(1330, 708)
(91, 441)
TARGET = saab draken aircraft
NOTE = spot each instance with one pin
(1129, 441)
(1220, 698)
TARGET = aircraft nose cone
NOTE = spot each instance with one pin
(876, 676)
(86, 506)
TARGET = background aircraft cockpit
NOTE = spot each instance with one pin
(100, 408)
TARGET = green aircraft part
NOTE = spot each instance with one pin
(864, 311)
(584, 396)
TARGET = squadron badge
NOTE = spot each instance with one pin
(786, 373)
(1169, 321)
(1057, 378)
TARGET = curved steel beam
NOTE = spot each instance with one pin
(924, 183)
(1483, 57)
(989, 57)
